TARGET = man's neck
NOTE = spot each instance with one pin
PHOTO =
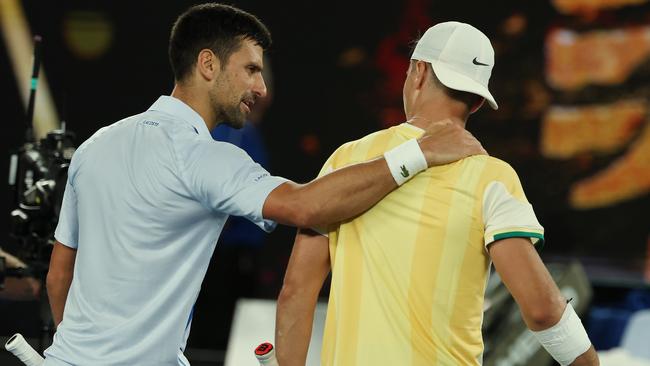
(198, 102)
(437, 110)
(424, 121)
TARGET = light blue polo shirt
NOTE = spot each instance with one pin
(144, 205)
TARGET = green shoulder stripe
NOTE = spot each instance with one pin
(523, 234)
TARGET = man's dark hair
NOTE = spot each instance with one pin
(220, 28)
(467, 98)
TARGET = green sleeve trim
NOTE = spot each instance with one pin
(518, 234)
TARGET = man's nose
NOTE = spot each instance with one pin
(259, 88)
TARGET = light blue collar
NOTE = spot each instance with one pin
(177, 108)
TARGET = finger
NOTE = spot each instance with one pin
(479, 150)
(474, 144)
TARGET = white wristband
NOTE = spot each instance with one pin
(567, 339)
(405, 161)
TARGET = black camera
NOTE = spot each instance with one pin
(37, 176)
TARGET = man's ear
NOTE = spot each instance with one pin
(479, 103)
(208, 64)
(422, 71)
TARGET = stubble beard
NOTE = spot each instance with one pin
(234, 117)
(229, 113)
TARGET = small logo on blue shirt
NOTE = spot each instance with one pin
(260, 177)
(150, 123)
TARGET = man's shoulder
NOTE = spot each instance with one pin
(493, 170)
(490, 168)
(104, 130)
(490, 162)
(363, 142)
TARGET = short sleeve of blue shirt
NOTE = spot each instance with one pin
(67, 230)
(225, 179)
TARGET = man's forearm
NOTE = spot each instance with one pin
(18, 288)
(293, 327)
(11, 261)
(589, 358)
(342, 194)
(543, 308)
(59, 278)
(57, 292)
(308, 267)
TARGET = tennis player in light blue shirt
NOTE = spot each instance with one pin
(147, 198)
(145, 202)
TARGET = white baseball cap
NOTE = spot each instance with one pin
(461, 55)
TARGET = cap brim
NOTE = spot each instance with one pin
(454, 80)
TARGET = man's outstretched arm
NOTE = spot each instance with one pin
(18, 288)
(349, 191)
(543, 308)
(308, 267)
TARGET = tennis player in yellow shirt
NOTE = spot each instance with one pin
(409, 275)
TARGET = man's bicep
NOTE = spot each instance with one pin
(506, 212)
(517, 262)
(225, 179)
(284, 204)
(309, 264)
(524, 274)
(278, 205)
(63, 258)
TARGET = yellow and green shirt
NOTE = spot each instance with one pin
(409, 275)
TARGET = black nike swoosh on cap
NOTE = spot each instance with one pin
(476, 62)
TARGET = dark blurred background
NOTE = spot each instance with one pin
(571, 80)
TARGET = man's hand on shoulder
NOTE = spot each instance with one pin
(446, 141)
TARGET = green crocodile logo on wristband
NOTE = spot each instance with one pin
(405, 173)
